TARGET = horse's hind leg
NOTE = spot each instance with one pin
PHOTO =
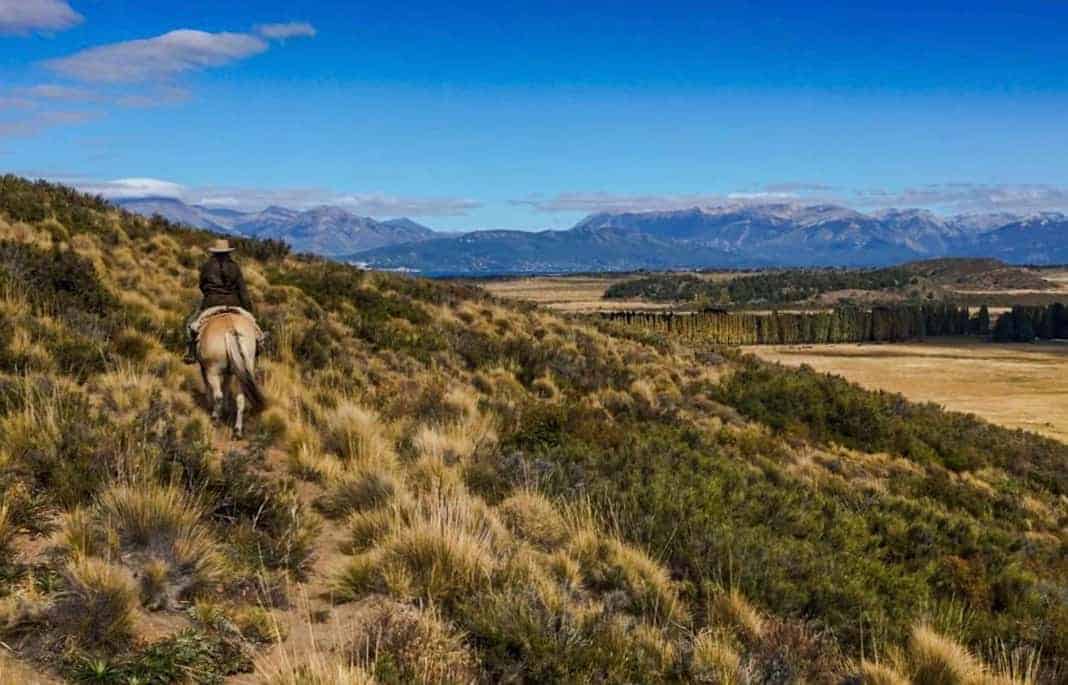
(215, 385)
(239, 425)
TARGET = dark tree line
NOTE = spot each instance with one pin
(1025, 324)
(847, 324)
(771, 287)
(852, 324)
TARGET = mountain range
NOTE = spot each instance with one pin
(743, 235)
(328, 231)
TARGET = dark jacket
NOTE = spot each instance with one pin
(222, 284)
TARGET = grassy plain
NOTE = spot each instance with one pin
(584, 293)
(577, 294)
(1016, 385)
(581, 294)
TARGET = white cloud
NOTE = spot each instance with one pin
(254, 199)
(15, 103)
(159, 58)
(610, 202)
(971, 197)
(588, 202)
(131, 187)
(51, 91)
(951, 198)
(365, 204)
(28, 127)
(22, 17)
(155, 96)
(292, 29)
(161, 97)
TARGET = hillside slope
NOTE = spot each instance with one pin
(446, 488)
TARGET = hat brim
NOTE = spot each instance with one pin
(219, 250)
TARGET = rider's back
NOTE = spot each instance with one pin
(222, 284)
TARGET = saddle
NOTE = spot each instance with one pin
(211, 312)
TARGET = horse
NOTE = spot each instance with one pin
(227, 351)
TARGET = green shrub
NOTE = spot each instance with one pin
(828, 408)
(190, 656)
(264, 515)
(523, 637)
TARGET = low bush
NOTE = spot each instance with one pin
(97, 604)
(525, 636)
(190, 656)
(265, 518)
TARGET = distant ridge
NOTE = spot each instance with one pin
(328, 231)
(742, 235)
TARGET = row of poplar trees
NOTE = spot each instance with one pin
(1025, 324)
(849, 324)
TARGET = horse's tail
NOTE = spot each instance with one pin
(241, 367)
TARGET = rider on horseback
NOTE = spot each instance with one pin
(221, 284)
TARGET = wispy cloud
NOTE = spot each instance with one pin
(9, 103)
(611, 202)
(291, 29)
(136, 73)
(798, 187)
(255, 199)
(50, 91)
(948, 198)
(159, 58)
(154, 96)
(970, 197)
(159, 97)
(128, 187)
(23, 17)
(20, 128)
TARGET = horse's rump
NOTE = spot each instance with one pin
(228, 345)
(202, 319)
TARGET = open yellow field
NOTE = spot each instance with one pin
(573, 294)
(1015, 385)
(578, 294)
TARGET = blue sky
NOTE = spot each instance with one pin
(532, 114)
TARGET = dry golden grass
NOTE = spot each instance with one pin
(715, 661)
(1015, 385)
(533, 518)
(97, 607)
(876, 673)
(937, 660)
(156, 532)
(646, 586)
(575, 294)
(358, 435)
(732, 610)
(578, 294)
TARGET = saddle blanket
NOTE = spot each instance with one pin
(198, 322)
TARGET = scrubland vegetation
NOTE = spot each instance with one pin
(447, 489)
(934, 279)
(773, 287)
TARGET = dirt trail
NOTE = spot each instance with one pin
(311, 624)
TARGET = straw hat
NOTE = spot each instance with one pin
(220, 247)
